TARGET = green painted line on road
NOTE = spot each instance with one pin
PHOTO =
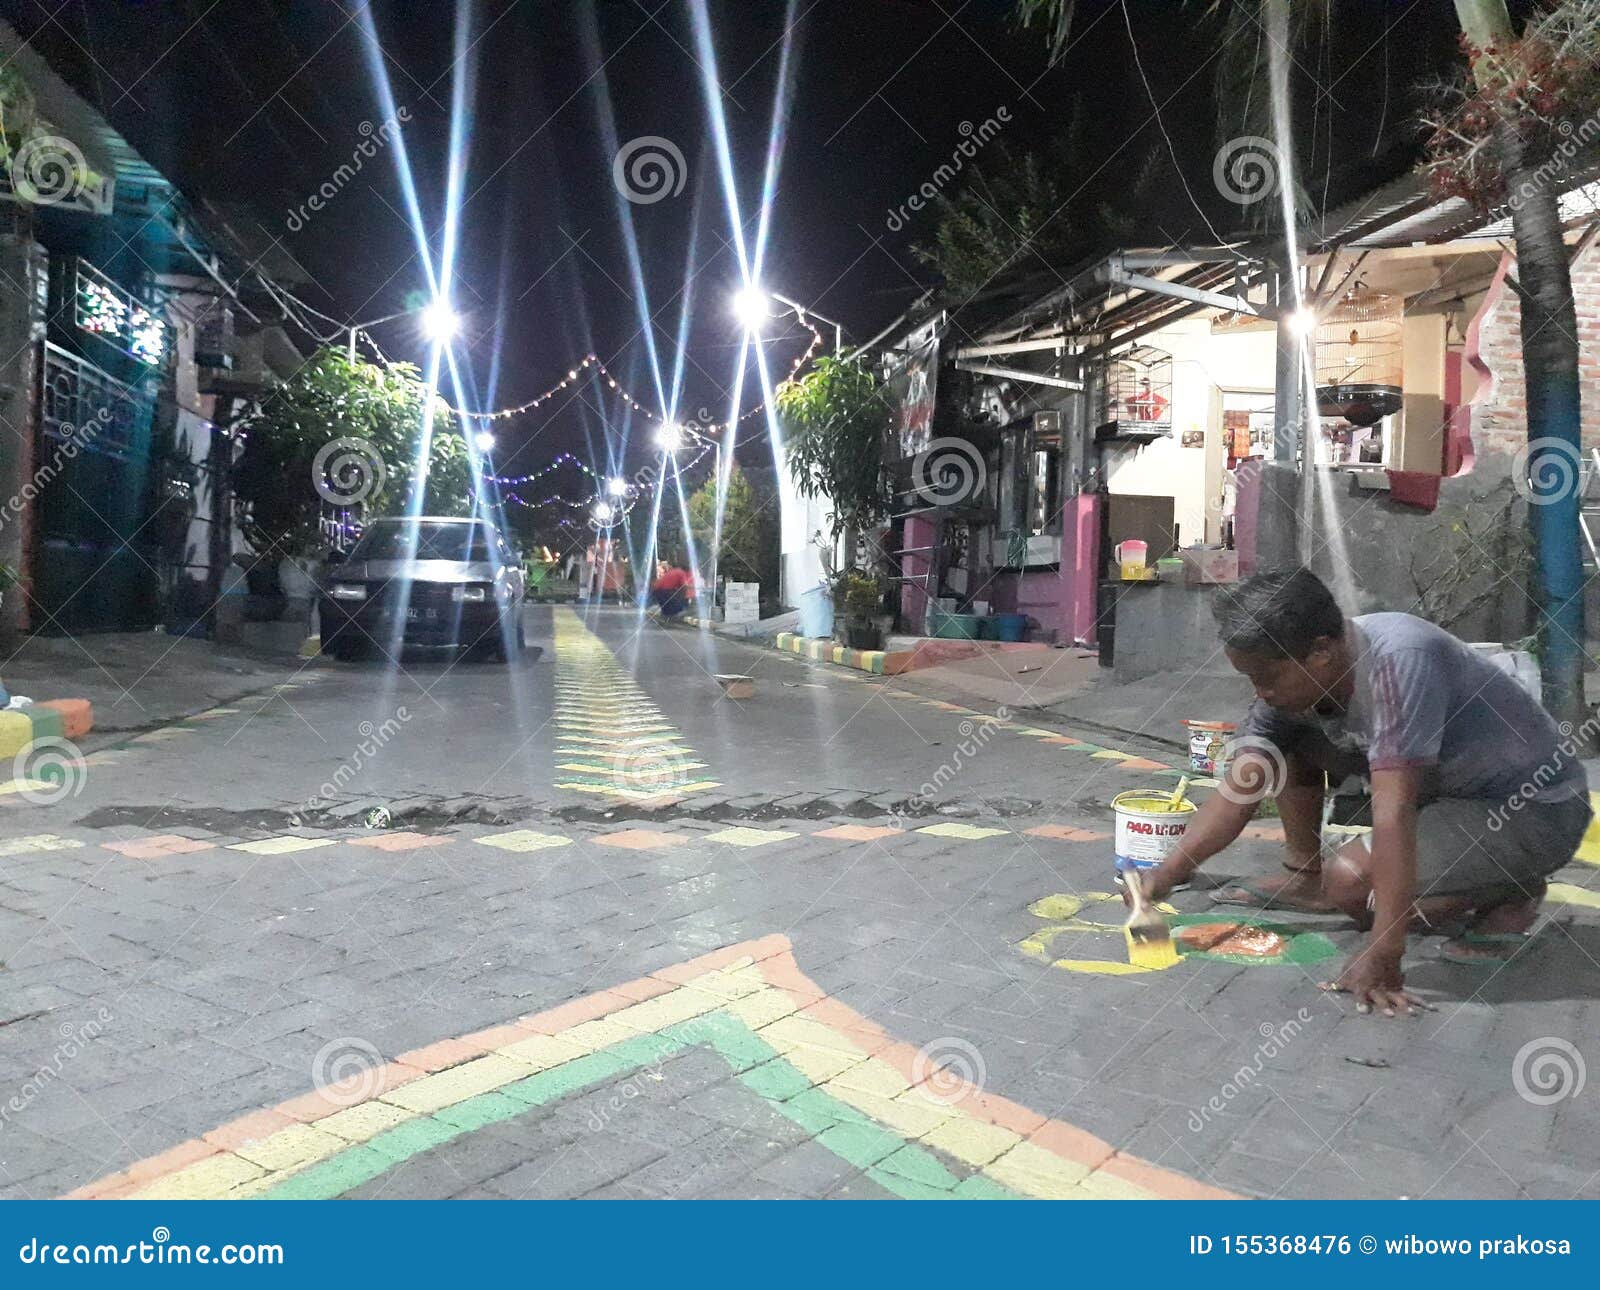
(854, 1137)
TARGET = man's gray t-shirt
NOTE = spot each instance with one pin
(1425, 699)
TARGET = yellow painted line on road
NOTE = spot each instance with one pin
(624, 747)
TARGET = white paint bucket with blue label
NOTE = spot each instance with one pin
(1149, 825)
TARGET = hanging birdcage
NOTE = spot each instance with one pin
(1137, 395)
(1360, 358)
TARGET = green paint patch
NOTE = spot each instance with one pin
(776, 1081)
(861, 1144)
(1304, 946)
(921, 1168)
(418, 1134)
(333, 1177)
(978, 1187)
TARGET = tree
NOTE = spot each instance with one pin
(749, 549)
(1521, 152)
(1505, 139)
(834, 422)
(1001, 218)
(294, 463)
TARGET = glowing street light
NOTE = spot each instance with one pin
(670, 437)
(439, 323)
(603, 511)
(752, 307)
(617, 487)
(483, 441)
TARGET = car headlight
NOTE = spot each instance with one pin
(347, 591)
(474, 591)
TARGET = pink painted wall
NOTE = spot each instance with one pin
(913, 599)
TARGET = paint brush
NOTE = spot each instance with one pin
(1179, 793)
(1149, 939)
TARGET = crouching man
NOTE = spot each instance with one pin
(1477, 797)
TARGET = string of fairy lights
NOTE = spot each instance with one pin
(614, 496)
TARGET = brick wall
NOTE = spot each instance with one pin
(1500, 413)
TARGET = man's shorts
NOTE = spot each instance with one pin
(1467, 844)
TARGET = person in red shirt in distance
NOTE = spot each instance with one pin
(671, 590)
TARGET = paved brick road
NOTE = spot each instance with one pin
(627, 938)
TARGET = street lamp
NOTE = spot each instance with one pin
(439, 322)
(603, 511)
(616, 487)
(483, 441)
(670, 437)
(753, 307)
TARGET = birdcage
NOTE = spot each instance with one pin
(1137, 395)
(1360, 358)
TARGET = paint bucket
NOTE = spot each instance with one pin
(1148, 827)
(1208, 742)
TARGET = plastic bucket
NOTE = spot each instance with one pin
(1009, 627)
(955, 626)
(1148, 827)
(1207, 740)
(816, 612)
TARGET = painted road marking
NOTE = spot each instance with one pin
(1303, 945)
(857, 832)
(741, 835)
(158, 844)
(524, 840)
(37, 842)
(624, 747)
(916, 1129)
(955, 829)
(287, 844)
(400, 841)
(642, 840)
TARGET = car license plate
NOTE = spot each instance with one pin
(413, 614)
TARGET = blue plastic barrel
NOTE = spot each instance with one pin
(1009, 627)
(816, 612)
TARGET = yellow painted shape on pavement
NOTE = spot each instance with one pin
(524, 840)
(37, 842)
(1564, 893)
(955, 829)
(280, 846)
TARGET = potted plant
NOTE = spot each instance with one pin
(858, 598)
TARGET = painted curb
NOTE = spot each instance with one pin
(876, 661)
(19, 727)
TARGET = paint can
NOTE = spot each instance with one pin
(1148, 827)
(1207, 744)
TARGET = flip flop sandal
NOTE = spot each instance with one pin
(1257, 896)
(1452, 955)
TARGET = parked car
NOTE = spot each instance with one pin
(430, 581)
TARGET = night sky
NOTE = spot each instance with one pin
(259, 104)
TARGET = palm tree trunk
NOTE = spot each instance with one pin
(1550, 371)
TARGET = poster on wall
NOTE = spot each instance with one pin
(912, 377)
